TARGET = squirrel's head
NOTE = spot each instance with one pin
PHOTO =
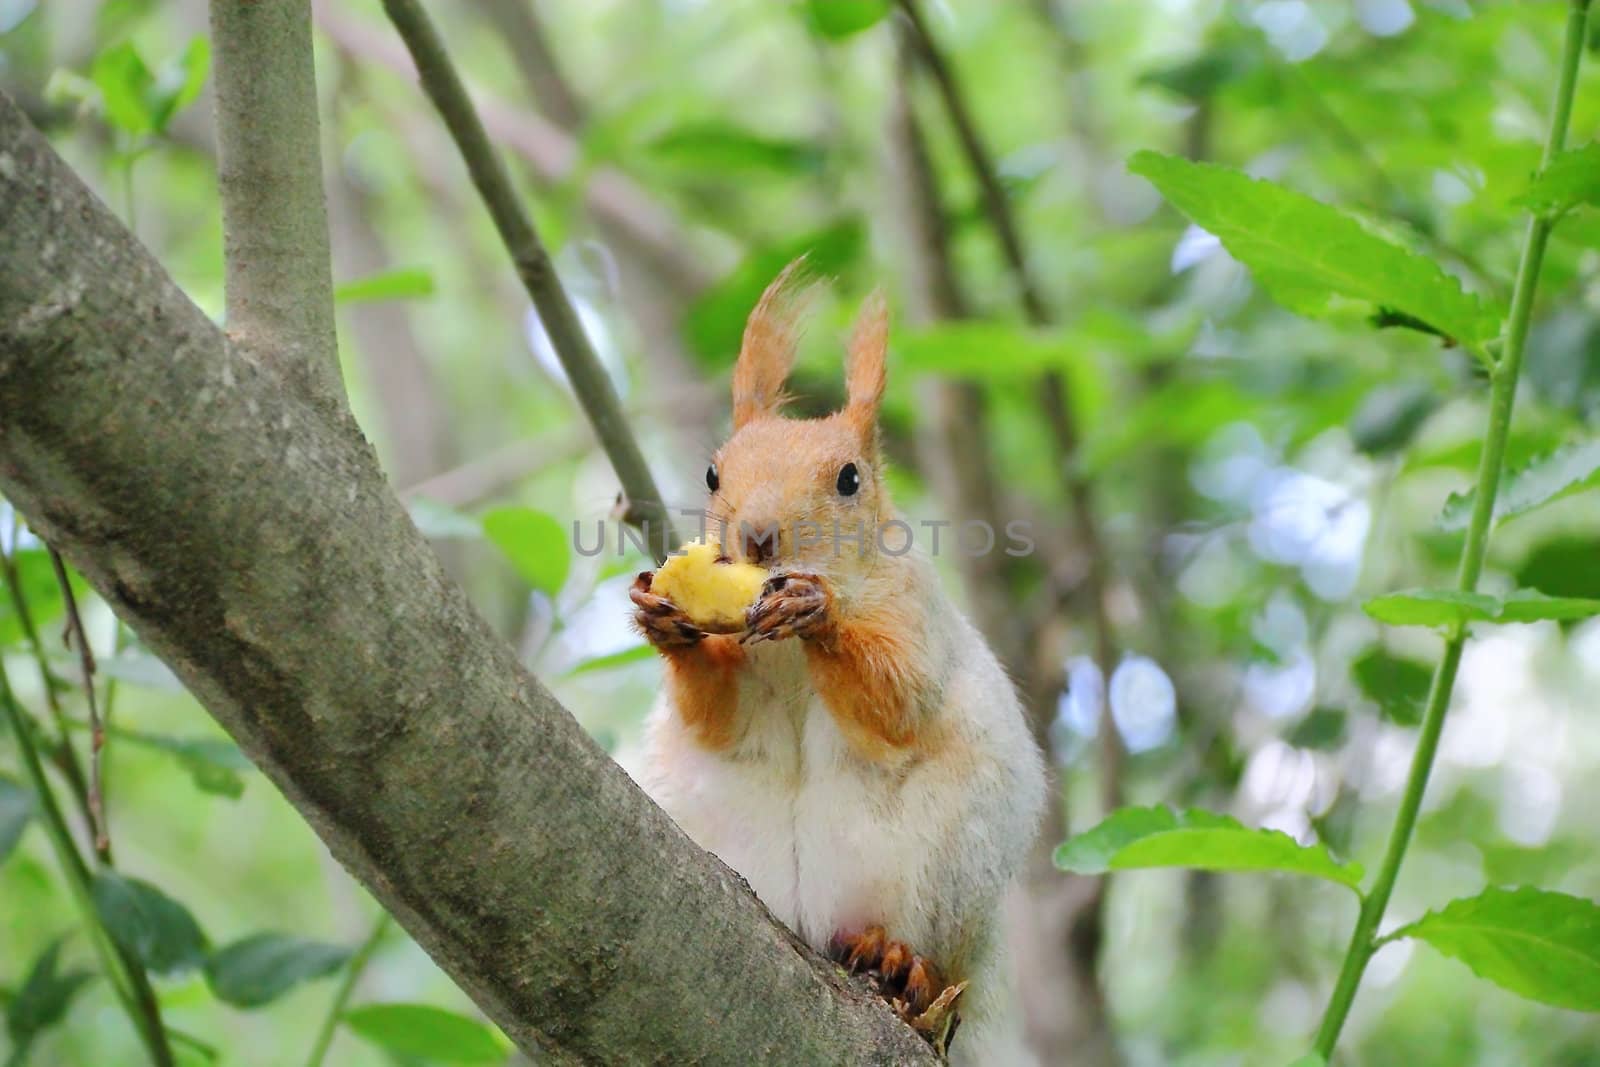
(802, 493)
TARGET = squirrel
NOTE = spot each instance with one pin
(857, 753)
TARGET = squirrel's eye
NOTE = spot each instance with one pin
(711, 478)
(849, 480)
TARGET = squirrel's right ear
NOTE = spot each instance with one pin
(865, 372)
(771, 337)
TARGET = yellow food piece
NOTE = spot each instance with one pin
(714, 595)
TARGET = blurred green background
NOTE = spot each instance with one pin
(1254, 475)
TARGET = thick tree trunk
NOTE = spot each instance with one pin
(246, 532)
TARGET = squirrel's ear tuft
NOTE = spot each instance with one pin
(771, 338)
(864, 369)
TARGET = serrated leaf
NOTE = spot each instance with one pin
(535, 543)
(1560, 474)
(1572, 178)
(1398, 685)
(1529, 605)
(1309, 255)
(1431, 607)
(425, 1031)
(401, 283)
(1160, 837)
(261, 968)
(44, 998)
(613, 659)
(125, 85)
(1538, 944)
(838, 19)
(156, 929)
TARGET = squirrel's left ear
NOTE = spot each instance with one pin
(864, 368)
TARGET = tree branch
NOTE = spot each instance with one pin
(588, 377)
(247, 534)
(279, 280)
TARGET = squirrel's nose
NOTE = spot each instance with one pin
(758, 541)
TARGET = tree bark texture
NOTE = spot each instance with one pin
(246, 532)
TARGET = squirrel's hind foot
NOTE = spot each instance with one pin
(910, 983)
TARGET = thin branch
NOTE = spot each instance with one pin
(97, 734)
(124, 973)
(555, 156)
(590, 382)
(279, 282)
(347, 985)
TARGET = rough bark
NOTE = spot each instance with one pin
(269, 167)
(246, 532)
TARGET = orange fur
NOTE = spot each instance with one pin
(865, 370)
(865, 673)
(704, 681)
(771, 338)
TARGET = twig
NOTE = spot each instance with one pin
(122, 971)
(1502, 396)
(341, 997)
(555, 156)
(589, 380)
(97, 735)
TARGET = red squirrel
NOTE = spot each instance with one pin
(857, 753)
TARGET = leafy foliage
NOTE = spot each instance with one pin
(16, 808)
(262, 967)
(1572, 178)
(1160, 837)
(426, 1032)
(156, 929)
(1307, 254)
(1541, 945)
(401, 283)
(1444, 607)
(535, 543)
(1551, 478)
(43, 1000)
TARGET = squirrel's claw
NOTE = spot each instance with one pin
(790, 605)
(661, 621)
(911, 984)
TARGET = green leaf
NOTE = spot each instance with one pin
(838, 19)
(1560, 474)
(125, 85)
(1564, 566)
(1529, 605)
(426, 1032)
(990, 350)
(1310, 1059)
(43, 1000)
(1310, 256)
(179, 83)
(535, 543)
(613, 659)
(1440, 607)
(16, 808)
(1541, 945)
(1399, 686)
(262, 967)
(722, 148)
(401, 283)
(1572, 178)
(439, 522)
(1322, 729)
(1431, 607)
(1160, 837)
(213, 763)
(156, 929)
(1390, 416)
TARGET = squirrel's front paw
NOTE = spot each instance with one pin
(790, 605)
(661, 621)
